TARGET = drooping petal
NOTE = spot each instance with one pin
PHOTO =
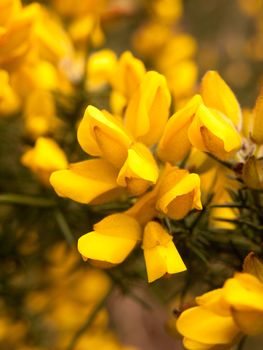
(160, 253)
(85, 181)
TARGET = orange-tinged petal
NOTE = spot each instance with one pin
(174, 144)
(179, 193)
(218, 95)
(85, 181)
(148, 109)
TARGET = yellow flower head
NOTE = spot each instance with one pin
(179, 192)
(44, 158)
(160, 253)
(148, 109)
(112, 240)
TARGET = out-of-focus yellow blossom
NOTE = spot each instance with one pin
(16, 33)
(52, 41)
(168, 10)
(179, 192)
(101, 134)
(218, 95)
(180, 48)
(148, 109)
(9, 101)
(211, 131)
(251, 8)
(139, 170)
(40, 113)
(244, 294)
(112, 240)
(174, 143)
(71, 8)
(100, 67)
(182, 79)
(8, 9)
(35, 75)
(44, 158)
(208, 325)
(252, 173)
(151, 38)
(160, 253)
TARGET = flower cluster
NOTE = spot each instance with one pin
(223, 315)
(136, 160)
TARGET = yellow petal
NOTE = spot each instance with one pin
(214, 302)
(112, 240)
(155, 235)
(97, 246)
(218, 95)
(252, 173)
(148, 109)
(174, 144)
(204, 326)
(257, 129)
(179, 193)
(100, 134)
(139, 170)
(250, 322)
(244, 292)
(85, 181)
(119, 225)
(212, 132)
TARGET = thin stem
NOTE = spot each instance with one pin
(89, 320)
(64, 227)
(20, 199)
(241, 344)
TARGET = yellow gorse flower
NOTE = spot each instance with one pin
(224, 314)
(124, 166)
